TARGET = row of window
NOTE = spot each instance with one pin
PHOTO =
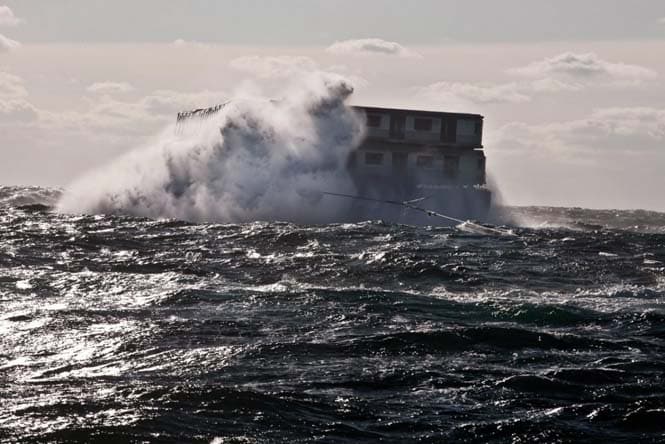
(421, 123)
(450, 162)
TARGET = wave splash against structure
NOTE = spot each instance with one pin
(250, 160)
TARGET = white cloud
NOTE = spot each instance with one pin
(7, 17)
(188, 44)
(17, 111)
(7, 44)
(475, 93)
(640, 121)
(493, 93)
(11, 86)
(584, 67)
(121, 118)
(551, 85)
(14, 108)
(371, 46)
(274, 67)
(168, 103)
(110, 88)
(619, 130)
(106, 116)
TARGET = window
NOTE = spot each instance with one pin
(425, 161)
(451, 166)
(466, 127)
(422, 124)
(449, 130)
(374, 120)
(478, 127)
(373, 158)
(397, 125)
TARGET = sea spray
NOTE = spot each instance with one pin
(256, 159)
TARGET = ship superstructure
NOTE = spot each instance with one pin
(433, 157)
(409, 154)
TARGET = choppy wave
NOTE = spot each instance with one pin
(118, 328)
(36, 197)
(587, 219)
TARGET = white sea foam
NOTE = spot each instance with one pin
(254, 160)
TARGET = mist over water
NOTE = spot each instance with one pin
(256, 159)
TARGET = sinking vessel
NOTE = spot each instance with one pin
(433, 158)
(417, 154)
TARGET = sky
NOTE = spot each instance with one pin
(572, 91)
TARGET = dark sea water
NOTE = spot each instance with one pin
(120, 329)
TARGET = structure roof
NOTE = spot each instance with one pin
(418, 112)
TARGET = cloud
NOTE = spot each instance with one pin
(119, 118)
(274, 67)
(184, 44)
(494, 93)
(584, 67)
(371, 46)
(617, 130)
(17, 111)
(14, 108)
(551, 85)
(110, 88)
(7, 17)
(11, 86)
(642, 121)
(7, 44)
(661, 20)
(106, 117)
(168, 103)
(474, 93)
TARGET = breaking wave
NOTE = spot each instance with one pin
(256, 159)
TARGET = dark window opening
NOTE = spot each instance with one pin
(425, 161)
(449, 130)
(373, 158)
(374, 120)
(478, 129)
(397, 124)
(451, 166)
(422, 124)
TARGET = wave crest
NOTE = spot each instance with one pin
(256, 159)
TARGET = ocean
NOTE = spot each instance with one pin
(126, 329)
